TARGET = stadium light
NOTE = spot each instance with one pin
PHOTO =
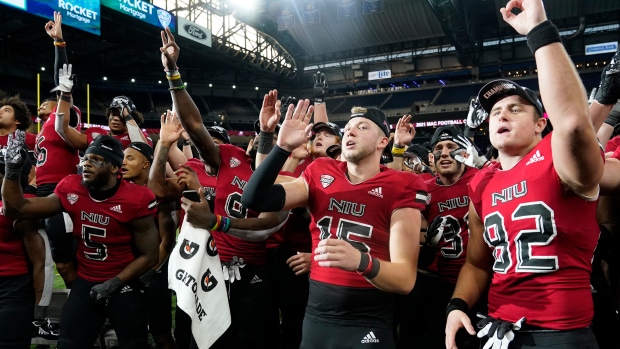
(185, 83)
(105, 78)
(256, 88)
(159, 81)
(210, 85)
(234, 86)
(133, 80)
(43, 68)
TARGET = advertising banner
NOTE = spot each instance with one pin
(144, 11)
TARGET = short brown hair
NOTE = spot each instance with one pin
(21, 111)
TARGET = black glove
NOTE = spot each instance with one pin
(320, 87)
(609, 89)
(147, 277)
(435, 231)
(499, 332)
(15, 155)
(285, 101)
(101, 293)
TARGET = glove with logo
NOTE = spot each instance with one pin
(435, 231)
(101, 293)
(500, 333)
(320, 87)
(609, 89)
(473, 158)
(66, 80)
(284, 103)
(15, 155)
(476, 114)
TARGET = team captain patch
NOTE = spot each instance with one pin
(326, 180)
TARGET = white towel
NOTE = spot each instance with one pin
(195, 274)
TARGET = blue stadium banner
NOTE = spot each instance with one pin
(286, 19)
(347, 9)
(16, 3)
(81, 14)
(144, 11)
(311, 13)
(373, 6)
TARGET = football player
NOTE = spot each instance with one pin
(118, 241)
(365, 230)
(532, 216)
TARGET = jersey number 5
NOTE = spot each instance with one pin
(542, 234)
(100, 252)
(346, 229)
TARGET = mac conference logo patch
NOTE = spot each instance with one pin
(164, 17)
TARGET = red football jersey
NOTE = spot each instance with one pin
(13, 260)
(451, 202)
(542, 236)
(357, 213)
(93, 132)
(234, 172)
(613, 144)
(207, 181)
(104, 227)
(55, 158)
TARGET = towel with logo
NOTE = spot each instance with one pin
(195, 274)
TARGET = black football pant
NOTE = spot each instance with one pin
(253, 312)
(82, 318)
(422, 316)
(158, 299)
(575, 339)
(292, 296)
(329, 335)
(16, 311)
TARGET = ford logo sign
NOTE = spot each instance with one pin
(195, 31)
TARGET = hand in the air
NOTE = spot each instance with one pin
(295, 129)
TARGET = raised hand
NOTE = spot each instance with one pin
(169, 50)
(270, 112)
(532, 14)
(320, 87)
(66, 80)
(476, 114)
(171, 129)
(404, 131)
(471, 157)
(248, 150)
(608, 91)
(54, 28)
(295, 129)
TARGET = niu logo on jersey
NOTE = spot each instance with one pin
(535, 158)
(378, 192)
(326, 180)
(188, 249)
(234, 162)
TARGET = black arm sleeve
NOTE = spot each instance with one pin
(260, 194)
(60, 58)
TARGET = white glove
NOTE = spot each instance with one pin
(472, 159)
(65, 79)
(500, 333)
(476, 115)
(435, 231)
(232, 270)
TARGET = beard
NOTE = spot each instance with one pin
(100, 180)
(356, 156)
